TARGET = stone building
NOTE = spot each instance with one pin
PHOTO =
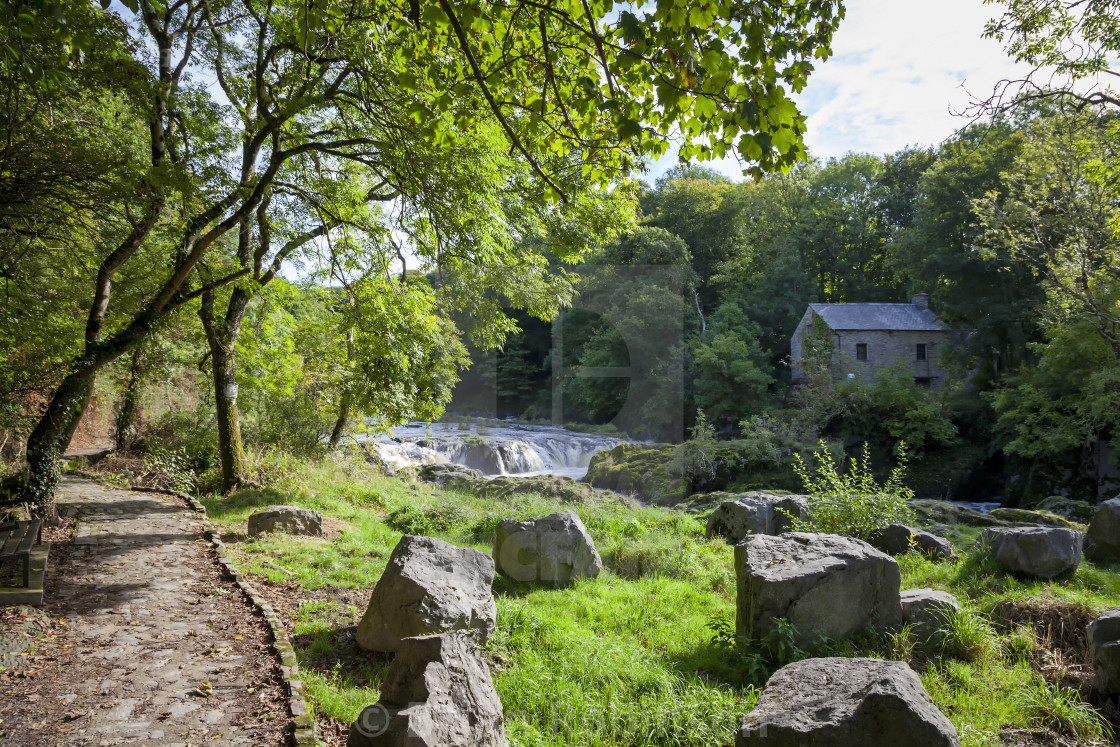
(870, 337)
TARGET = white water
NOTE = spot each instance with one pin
(494, 447)
(982, 506)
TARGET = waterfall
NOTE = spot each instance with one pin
(493, 447)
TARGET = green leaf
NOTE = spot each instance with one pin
(704, 106)
(628, 128)
(632, 29)
(433, 15)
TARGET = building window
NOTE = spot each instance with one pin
(921, 351)
(923, 381)
(861, 351)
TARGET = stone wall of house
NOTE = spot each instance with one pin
(796, 346)
(884, 350)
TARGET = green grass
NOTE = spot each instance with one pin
(629, 658)
(1060, 709)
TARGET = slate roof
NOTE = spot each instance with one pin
(900, 317)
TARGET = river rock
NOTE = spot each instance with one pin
(821, 583)
(839, 702)
(756, 513)
(947, 512)
(448, 475)
(287, 519)
(1042, 552)
(1103, 635)
(1068, 508)
(1029, 516)
(899, 539)
(556, 487)
(1104, 529)
(639, 469)
(926, 610)
(555, 549)
(437, 693)
(428, 586)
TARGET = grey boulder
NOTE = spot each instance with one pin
(1104, 650)
(437, 693)
(555, 549)
(429, 586)
(838, 702)
(821, 583)
(444, 474)
(1104, 529)
(756, 513)
(899, 539)
(1041, 552)
(287, 519)
(927, 610)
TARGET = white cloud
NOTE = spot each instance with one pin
(900, 67)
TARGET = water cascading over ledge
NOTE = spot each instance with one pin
(494, 447)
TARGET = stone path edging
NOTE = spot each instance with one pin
(305, 730)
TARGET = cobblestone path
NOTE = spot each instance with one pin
(148, 643)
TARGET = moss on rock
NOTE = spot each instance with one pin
(1026, 516)
(1068, 508)
(944, 512)
(641, 470)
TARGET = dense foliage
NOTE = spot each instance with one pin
(1010, 227)
(169, 157)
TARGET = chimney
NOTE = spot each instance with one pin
(921, 300)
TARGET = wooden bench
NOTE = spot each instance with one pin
(16, 541)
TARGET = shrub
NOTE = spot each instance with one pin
(853, 504)
(1020, 646)
(760, 442)
(425, 521)
(966, 635)
(693, 459)
(169, 469)
(192, 433)
(1061, 709)
(901, 643)
(757, 658)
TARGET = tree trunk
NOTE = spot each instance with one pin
(344, 404)
(128, 410)
(343, 419)
(222, 339)
(231, 450)
(51, 437)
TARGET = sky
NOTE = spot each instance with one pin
(898, 71)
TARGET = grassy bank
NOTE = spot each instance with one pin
(629, 658)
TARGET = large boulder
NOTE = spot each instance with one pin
(947, 512)
(838, 702)
(451, 476)
(1068, 508)
(287, 519)
(1041, 552)
(756, 513)
(555, 549)
(1104, 529)
(1103, 635)
(927, 610)
(638, 469)
(899, 539)
(428, 586)
(437, 693)
(1028, 516)
(556, 487)
(821, 583)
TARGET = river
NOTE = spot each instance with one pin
(493, 447)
